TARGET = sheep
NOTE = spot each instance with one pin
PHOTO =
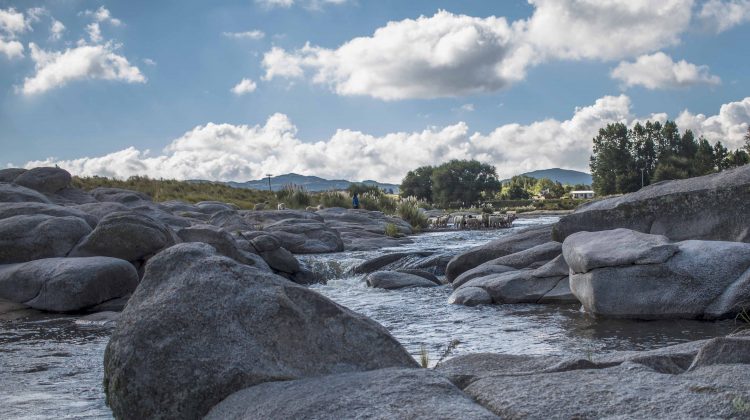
(310, 208)
(259, 207)
(442, 221)
(473, 223)
(458, 222)
(321, 207)
(281, 206)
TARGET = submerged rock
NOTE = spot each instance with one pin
(201, 326)
(378, 394)
(67, 284)
(397, 280)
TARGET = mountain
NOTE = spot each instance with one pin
(309, 183)
(563, 176)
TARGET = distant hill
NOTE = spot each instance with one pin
(309, 183)
(563, 176)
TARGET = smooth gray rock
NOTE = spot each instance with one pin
(723, 351)
(264, 243)
(306, 236)
(125, 235)
(470, 296)
(553, 268)
(624, 392)
(703, 279)
(268, 217)
(364, 230)
(32, 237)
(508, 244)
(421, 273)
(45, 180)
(585, 251)
(211, 207)
(99, 210)
(465, 369)
(67, 284)
(523, 259)
(201, 326)
(281, 260)
(9, 174)
(515, 286)
(231, 221)
(12, 193)
(379, 394)
(385, 261)
(560, 294)
(70, 197)
(119, 195)
(396, 280)
(223, 242)
(711, 207)
(175, 206)
(16, 209)
(156, 212)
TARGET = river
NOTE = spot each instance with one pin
(51, 366)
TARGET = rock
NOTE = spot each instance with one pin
(12, 193)
(9, 174)
(378, 394)
(560, 294)
(509, 244)
(119, 195)
(556, 267)
(470, 296)
(32, 237)
(230, 220)
(514, 286)
(396, 280)
(382, 262)
(160, 214)
(99, 210)
(723, 351)
(223, 242)
(201, 326)
(522, 259)
(702, 279)
(264, 243)
(465, 369)
(306, 277)
(125, 235)
(625, 391)
(16, 209)
(435, 263)
(268, 217)
(112, 305)
(211, 207)
(176, 206)
(421, 273)
(67, 284)
(306, 236)
(363, 230)
(281, 260)
(711, 207)
(585, 251)
(44, 180)
(70, 197)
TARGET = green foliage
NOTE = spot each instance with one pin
(409, 211)
(448, 350)
(392, 230)
(294, 197)
(463, 183)
(192, 192)
(418, 183)
(360, 188)
(740, 405)
(334, 199)
(625, 159)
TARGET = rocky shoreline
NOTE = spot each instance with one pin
(220, 323)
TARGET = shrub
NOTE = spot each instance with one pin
(294, 197)
(379, 202)
(334, 199)
(409, 211)
(391, 230)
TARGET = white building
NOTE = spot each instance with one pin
(581, 195)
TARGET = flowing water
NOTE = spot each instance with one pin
(51, 366)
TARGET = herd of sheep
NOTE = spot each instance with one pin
(472, 222)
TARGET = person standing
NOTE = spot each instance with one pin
(355, 201)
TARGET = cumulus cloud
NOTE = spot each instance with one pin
(103, 15)
(275, 3)
(254, 34)
(56, 30)
(308, 4)
(729, 125)
(12, 23)
(722, 15)
(659, 71)
(86, 62)
(11, 49)
(427, 57)
(243, 87)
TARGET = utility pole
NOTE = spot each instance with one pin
(269, 181)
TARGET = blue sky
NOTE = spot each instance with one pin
(151, 91)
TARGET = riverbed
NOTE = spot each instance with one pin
(51, 366)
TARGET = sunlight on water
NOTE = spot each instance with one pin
(52, 367)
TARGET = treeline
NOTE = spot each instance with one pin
(625, 159)
(522, 187)
(454, 184)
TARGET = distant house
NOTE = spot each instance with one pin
(581, 195)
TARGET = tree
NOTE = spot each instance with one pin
(612, 165)
(747, 140)
(720, 156)
(418, 183)
(704, 162)
(688, 147)
(672, 167)
(361, 188)
(737, 158)
(464, 182)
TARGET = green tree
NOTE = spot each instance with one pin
(720, 156)
(703, 163)
(688, 147)
(737, 158)
(644, 151)
(612, 165)
(672, 167)
(361, 188)
(418, 183)
(463, 182)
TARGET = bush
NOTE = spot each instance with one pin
(392, 230)
(409, 211)
(379, 202)
(334, 199)
(294, 197)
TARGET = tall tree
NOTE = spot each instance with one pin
(612, 164)
(418, 183)
(463, 182)
(704, 161)
(720, 156)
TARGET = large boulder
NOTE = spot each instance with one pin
(12, 193)
(387, 261)
(119, 195)
(711, 207)
(99, 210)
(201, 326)
(509, 244)
(45, 180)
(364, 230)
(378, 394)
(16, 209)
(125, 235)
(528, 258)
(306, 236)
(622, 273)
(211, 207)
(70, 197)
(397, 280)
(67, 284)
(9, 174)
(31, 237)
(223, 242)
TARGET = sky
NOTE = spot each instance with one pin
(357, 89)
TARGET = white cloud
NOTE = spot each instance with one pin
(12, 22)
(659, 71)
(95, 32)
(428, 57)
(467, 107)
(452, 55)
(56, 30)
(275, 3)
(149, 62)
(722, 15)
(308, 4)
(254, 34)
(103, 15)
(243, 87)
(729, 125)
(58, 68)
(11, 49)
